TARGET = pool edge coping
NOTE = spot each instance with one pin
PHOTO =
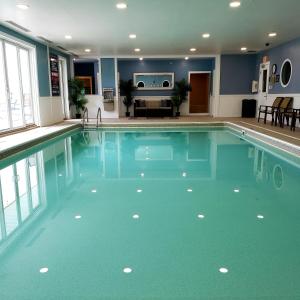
(23, 146)
(263, 137)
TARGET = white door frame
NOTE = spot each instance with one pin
(262, 97)
(210, 102)
(64, 94)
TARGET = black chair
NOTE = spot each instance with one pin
(284, 111)
(269, 110)
(295, 116)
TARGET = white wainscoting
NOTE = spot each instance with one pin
(51, 110)
(231, 105)
(94, 101)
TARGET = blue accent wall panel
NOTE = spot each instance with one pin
(237, 73)
(179, 67)
(277, 56)
(108, 73)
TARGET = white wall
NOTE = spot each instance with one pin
(231, 105)
(94, 101)
(51, 110)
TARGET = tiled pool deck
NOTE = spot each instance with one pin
(14, 143)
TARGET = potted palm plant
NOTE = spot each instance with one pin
(181, 89)
(126, 89)
(77, 95)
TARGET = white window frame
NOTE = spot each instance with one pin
(33, 75)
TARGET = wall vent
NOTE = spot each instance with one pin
(17, 26)
(62, 48)
(44, 39)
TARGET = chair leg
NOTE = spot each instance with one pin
(265, 118)
(258, 117)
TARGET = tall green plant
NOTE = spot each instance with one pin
(126, 89)
(181, 89)
(77, 94)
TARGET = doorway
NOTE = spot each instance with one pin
(199, 96)
(63, 85)
(263, 84)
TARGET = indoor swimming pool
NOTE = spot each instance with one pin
(182, 213)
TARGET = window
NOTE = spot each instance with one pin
(16, 92)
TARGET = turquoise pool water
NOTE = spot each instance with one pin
(150, 214)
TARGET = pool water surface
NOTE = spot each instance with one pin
(150, 214)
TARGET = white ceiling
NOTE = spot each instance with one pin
(163, 27)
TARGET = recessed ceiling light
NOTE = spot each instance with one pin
(68, 37)
(44, 270)
(272, 34)
(223, 270)
(121, 5)
(87, 50)
(244, 49)
(186, 58)
(23, 6)
(137, 50)
(141, 58)
(193, 49)
(205, 35)
(127, 270)
(235, 4)
(132, 36)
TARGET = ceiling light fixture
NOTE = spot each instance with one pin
(272, 34)
(137, 50)
(186, 58)
(23, 6)
(244, 49)
(193, 49)
(121, 5)
(141, 58)
(68, 37)
(87, 50)
(205, 35)
(132, 36)
(235, 4)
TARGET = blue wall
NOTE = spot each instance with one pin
(42, 60)
(180, 67)
(237, 73)
(277, 56)
(108, 73)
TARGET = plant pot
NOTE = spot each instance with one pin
(177, 114)
(128, 114)
(78, 116)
